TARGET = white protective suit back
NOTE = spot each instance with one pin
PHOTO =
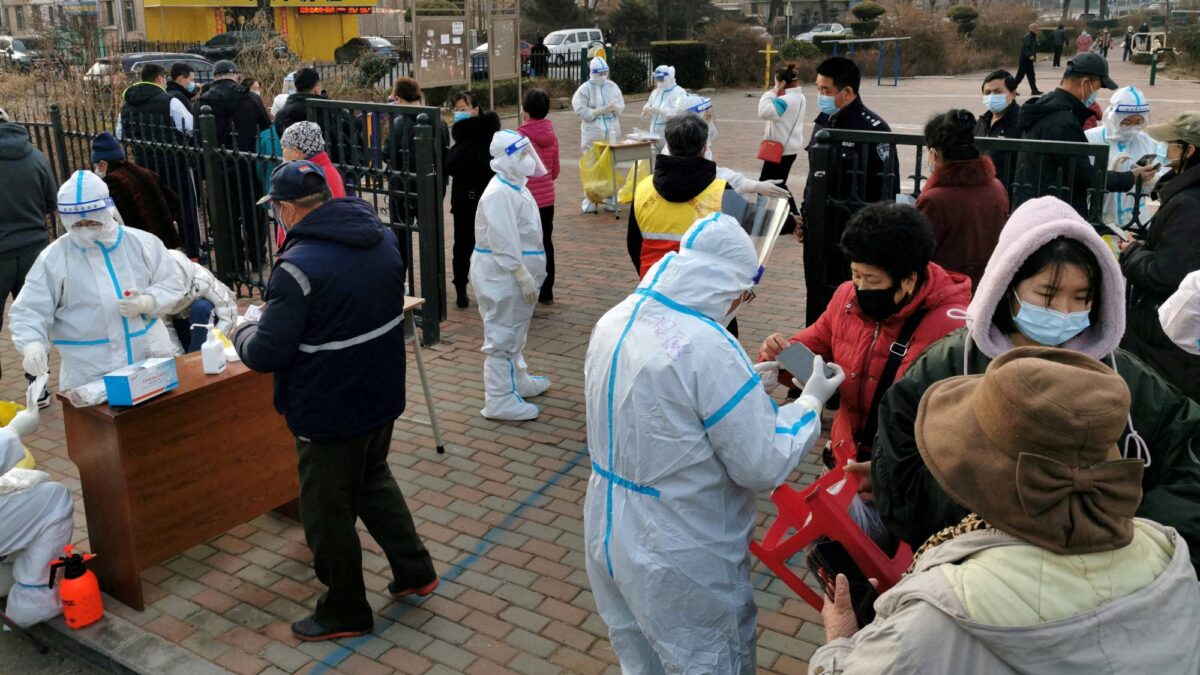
(199, 283)
(663, 100)
(71, 293)
(1126, 147)
(682, 438)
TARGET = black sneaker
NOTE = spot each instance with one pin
(43, 401)
(461, 298)
(309, 630)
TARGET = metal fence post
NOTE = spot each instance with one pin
(430, 233)
(816, 222)
(220, 228)
(60, 142)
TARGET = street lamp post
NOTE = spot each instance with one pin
(787, 11)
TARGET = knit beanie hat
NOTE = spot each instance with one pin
(105, 147)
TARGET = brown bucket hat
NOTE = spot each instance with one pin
(1031, 446)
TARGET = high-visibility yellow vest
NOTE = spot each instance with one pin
(663, 223)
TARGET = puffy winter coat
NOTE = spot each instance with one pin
(541, 134)
(967, 206)
(469, 161)
(1155, 270)
(847, 337)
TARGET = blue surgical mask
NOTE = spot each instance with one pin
(1048, 327)
(191, 87)
(460, 115)
(995, 102)
(826, 104)
(1091, 99)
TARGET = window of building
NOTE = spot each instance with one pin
(110, 14)
(19, 18)
(130, 16)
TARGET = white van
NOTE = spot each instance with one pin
(567, 43)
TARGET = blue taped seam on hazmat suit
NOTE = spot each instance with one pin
(671, 503)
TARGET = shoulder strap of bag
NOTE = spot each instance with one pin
(767, 133)
(896, 354)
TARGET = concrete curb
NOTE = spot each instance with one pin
(123, 648)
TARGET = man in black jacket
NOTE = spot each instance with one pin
(1059, 116)
(1000, 120)
(1028, 58)
(343, 131)
(1155, 268)
(240, 117)
(183, 83)
(332, 333)
(872, 168)
(1058, 40)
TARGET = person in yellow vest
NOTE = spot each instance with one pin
(683, 189)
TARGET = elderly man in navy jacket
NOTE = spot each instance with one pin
(332, 334)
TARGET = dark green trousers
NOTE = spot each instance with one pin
(341, 482)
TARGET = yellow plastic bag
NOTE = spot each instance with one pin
(625, 195)
(596, 172)
(9, 410)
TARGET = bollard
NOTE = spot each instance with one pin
(1153, 67)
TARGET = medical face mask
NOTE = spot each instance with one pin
(86, 234)
(1126, 134)
(1048, 327)
(460, 115)
(995, 102)
(191, 86)
(600, 77)
(661, 84)
(1091, 99)
(526, 165)
(878, 303)
(826, 104)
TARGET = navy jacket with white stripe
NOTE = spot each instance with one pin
(332, 329)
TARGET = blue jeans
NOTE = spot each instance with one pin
(200, 313)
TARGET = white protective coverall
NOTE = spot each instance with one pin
(289, 88)
(508, 267)
(72, 293)
(598, 103)
(682, 438)
(663, 100)
(35, 524)
(1126, 145)
(1180, 314)
(199, 283)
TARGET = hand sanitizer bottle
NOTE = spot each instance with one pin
(212, 353)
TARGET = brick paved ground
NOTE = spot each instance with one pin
(501, 511)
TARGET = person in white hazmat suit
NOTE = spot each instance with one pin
(508, 267)
(96, 294)
(35, 524)
(663, 101)
(205, 299)
(683, 437)
(1180, 314)
(1123, 129)
(598, 103)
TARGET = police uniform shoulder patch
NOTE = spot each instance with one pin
(884, 150)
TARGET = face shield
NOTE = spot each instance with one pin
(701, 106)
(524, 157)
(86, 209)
(664, 77)
(1126, 103)
(763, 219)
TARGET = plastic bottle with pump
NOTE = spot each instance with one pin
(82, 604)
(212, 352)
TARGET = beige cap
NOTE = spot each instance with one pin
(1184, 128)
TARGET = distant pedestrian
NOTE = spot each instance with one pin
(1058, 40)
(1001, 119)
(29, 194)
(400, 154)
(1028, 59)
(469, 163)
(343, 132)
(332, 334)
(141, 196)
(540, 132)
(183, 83)
(783, 108)
(539, 59)
(1105, 43)
(1083, 43)
(962, 199)
(1127, 51)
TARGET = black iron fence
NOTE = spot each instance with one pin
(390, 156)
(843, 178)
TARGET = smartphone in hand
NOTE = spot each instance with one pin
(798, 360)
(827, 559)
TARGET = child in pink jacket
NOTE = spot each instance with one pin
(540, 132)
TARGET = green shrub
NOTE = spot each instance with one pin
(797, 50)
(1187, 42)
(864, 28)
(736, 53)
(964, 16)
(868, 11)
(689, 58)
(1001, 26)
(629, 73)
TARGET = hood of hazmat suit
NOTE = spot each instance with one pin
(682, 438)
(663, 100)
(1127, 145)
(508, 252)
(71, 293)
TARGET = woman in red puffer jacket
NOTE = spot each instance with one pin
(892, 280)
(540, 132)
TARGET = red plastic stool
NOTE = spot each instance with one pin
(822, 510)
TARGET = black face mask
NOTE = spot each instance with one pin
(879, 304)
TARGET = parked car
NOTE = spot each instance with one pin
(825, 30)
(479, 60)
(120, 68)
(356, 47)
(567, 43)
(22, 53)
(230, 44)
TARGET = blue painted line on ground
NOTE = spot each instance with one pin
(349, 646)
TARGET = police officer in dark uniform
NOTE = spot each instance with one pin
(1000, 120)
(861, 172)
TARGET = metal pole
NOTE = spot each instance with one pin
(520, 98)
(1153, 67)
(491, 26)
(220, 223)
(60, 141)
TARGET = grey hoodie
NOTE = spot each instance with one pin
(921, 626)
(27, 191)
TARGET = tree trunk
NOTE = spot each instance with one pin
(1103, 10)
(1066, 13)
(774, 9)
(824, 5)
(664, 7)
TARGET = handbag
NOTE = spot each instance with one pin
(772, 151)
